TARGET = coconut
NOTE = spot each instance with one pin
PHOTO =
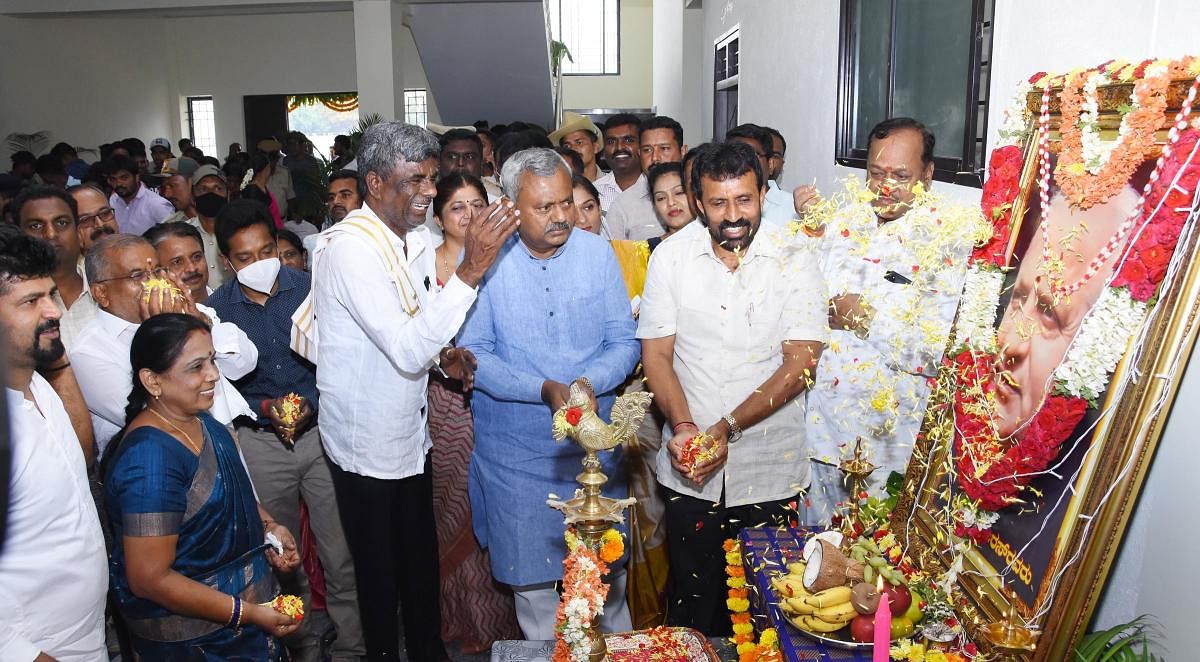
(832, 535)
(828, 567)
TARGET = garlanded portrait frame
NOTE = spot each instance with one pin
(1132, 408)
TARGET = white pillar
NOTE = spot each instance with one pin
(379, 89)
(676, 65)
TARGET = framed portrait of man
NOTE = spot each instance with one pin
(1071, 335)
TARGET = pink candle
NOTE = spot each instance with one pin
(883, 626)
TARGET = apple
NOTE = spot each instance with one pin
(914, 612)
(901, 627)
(862, 628)
(898, 598)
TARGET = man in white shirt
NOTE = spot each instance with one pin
(381, 330)
(53, 570)
(96, 217)
(732, 324)
(137, 207)
(631, 215)
(621, 153)
(894, 273)
(759, 139)
(116, 267)
(49, 214)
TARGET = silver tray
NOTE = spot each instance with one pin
(839, 639)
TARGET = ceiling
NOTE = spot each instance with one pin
(182, 8)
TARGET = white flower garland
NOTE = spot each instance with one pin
(977, 309)
(1100, 344)
(1016, 125)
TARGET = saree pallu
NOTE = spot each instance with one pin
(648, 566)
(157, 487)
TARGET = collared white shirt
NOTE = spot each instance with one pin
(778, 207)
(145, 211)
(375, 357)
(729, 329)
(877, 387)
(100, 359)
(218, 273)
(54, 569)
(79, 315)
(608, 188)
(632, 214)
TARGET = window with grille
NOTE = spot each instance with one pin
(929, 60)
(202, 124)
(415, 109)
(590, 30)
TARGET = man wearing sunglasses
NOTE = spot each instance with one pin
(116, 268)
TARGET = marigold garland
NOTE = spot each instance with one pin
(767, 647)
(583, 598)
(992, 471)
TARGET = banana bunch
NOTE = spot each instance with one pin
(824, 611)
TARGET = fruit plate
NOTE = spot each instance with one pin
(767, 552)
(839, 639)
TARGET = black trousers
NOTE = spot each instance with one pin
(696, 529)
(392, 537)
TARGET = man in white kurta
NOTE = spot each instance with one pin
(896, 265)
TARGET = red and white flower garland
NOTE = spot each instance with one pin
(992, 471)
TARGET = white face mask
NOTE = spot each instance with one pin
(260, 276)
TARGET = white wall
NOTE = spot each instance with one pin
(80, 79)
(633, 88)
(787, 80)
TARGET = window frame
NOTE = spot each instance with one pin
(727, 80)
(604, 45)
(425, 98)
(191, 122)
(968, 168)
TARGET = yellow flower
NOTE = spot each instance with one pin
(882, 400)
(935, 656)
(1075, 168)
(769, 638)
(743, 628)
(745, 647)
(733, 558)
(916, 653)
(735, 582)
(737, 604)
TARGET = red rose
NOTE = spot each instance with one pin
(573, 415)
(1133, 270)
(1155, 258)
(1036, 77)
(1142, 290)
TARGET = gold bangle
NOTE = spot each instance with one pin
(241, 613)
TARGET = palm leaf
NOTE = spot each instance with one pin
(1119, 643)
(29, 142)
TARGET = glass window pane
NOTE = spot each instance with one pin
(203, 124)
(590, 30)
(872, 22)
(931, 83)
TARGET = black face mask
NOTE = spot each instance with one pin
(210, 204)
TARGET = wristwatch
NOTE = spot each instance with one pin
(735, 430)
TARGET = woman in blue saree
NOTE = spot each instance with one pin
(191, 567)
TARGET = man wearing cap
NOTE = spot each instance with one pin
(209, 196)
(280, 181)
(580, 134)
(176, 187)
(137, 207)
(160, 151)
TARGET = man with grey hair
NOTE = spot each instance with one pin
(552, 312)
(383, 322)
(116, 267)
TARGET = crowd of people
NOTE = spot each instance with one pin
(429, 320)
